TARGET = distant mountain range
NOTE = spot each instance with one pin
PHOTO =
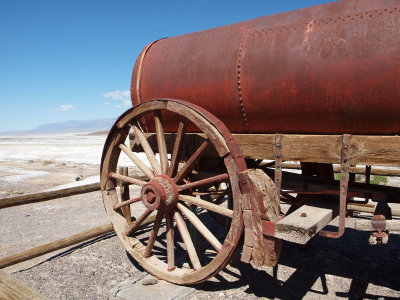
(73, 126)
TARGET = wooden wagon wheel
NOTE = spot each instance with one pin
(167, 196)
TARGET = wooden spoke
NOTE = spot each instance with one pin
(204, 182)
(192, 161)
(138, 162)
(220, 197)
(176, 152)
(124, 203)
(135, 225)
(170, 242)
(187, 241)
(127, 179)
(147, 149)
(162, 147)
(154, 232)
(207, 205)
(200, 227)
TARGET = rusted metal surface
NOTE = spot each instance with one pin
(324, 69)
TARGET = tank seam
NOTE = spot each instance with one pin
(238, 76)
(325, 21)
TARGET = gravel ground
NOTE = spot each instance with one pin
(323, 268)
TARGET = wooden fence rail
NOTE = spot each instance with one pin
(62, 243)
(45, 196)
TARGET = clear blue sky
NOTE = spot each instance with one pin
(59, 60)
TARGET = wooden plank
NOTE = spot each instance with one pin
(369, 208)
(381, 150)
(301, 225)
(353, 170)
(365, 150)
(366, 225)
(11, 288)
(45, 196)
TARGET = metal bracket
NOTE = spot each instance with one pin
(344, 183)
(278, 162)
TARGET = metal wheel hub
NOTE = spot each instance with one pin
(160, 192)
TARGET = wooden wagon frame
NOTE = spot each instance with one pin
(192, 165)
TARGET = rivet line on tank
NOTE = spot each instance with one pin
(238, 76)
(328, 20)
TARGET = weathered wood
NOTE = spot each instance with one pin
(301, 225)
(56, 245)
(154, 232)
(62, 243)
(124, 191)
(366, 225)
(204, 182)
(192, 161)
(353, 170)
(136, 224)
(369, 208)
(46, 196)
(148, 150)
(200, 227)
(128, 179)
(264, 199)
(11, 288)
(161, 262)
(365, 150)
(207, 205)
(137, 161)
(170, 241)
(177, 149)
(162, 148)
(180, 223)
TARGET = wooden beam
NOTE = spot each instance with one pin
(61, 243)
(366, 225)
(365, 150)
(45, 196)
(353, 170)
(302, 224)
(56, 245)
(369, 208)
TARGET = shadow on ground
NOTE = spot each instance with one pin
(350, 257)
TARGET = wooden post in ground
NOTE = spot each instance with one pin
(124, 190)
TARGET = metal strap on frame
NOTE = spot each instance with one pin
(344, 183)
(278, 162)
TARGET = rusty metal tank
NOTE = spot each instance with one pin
(327, 69)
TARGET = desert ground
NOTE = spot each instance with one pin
(346, 268)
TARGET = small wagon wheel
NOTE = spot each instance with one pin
(168, 196)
